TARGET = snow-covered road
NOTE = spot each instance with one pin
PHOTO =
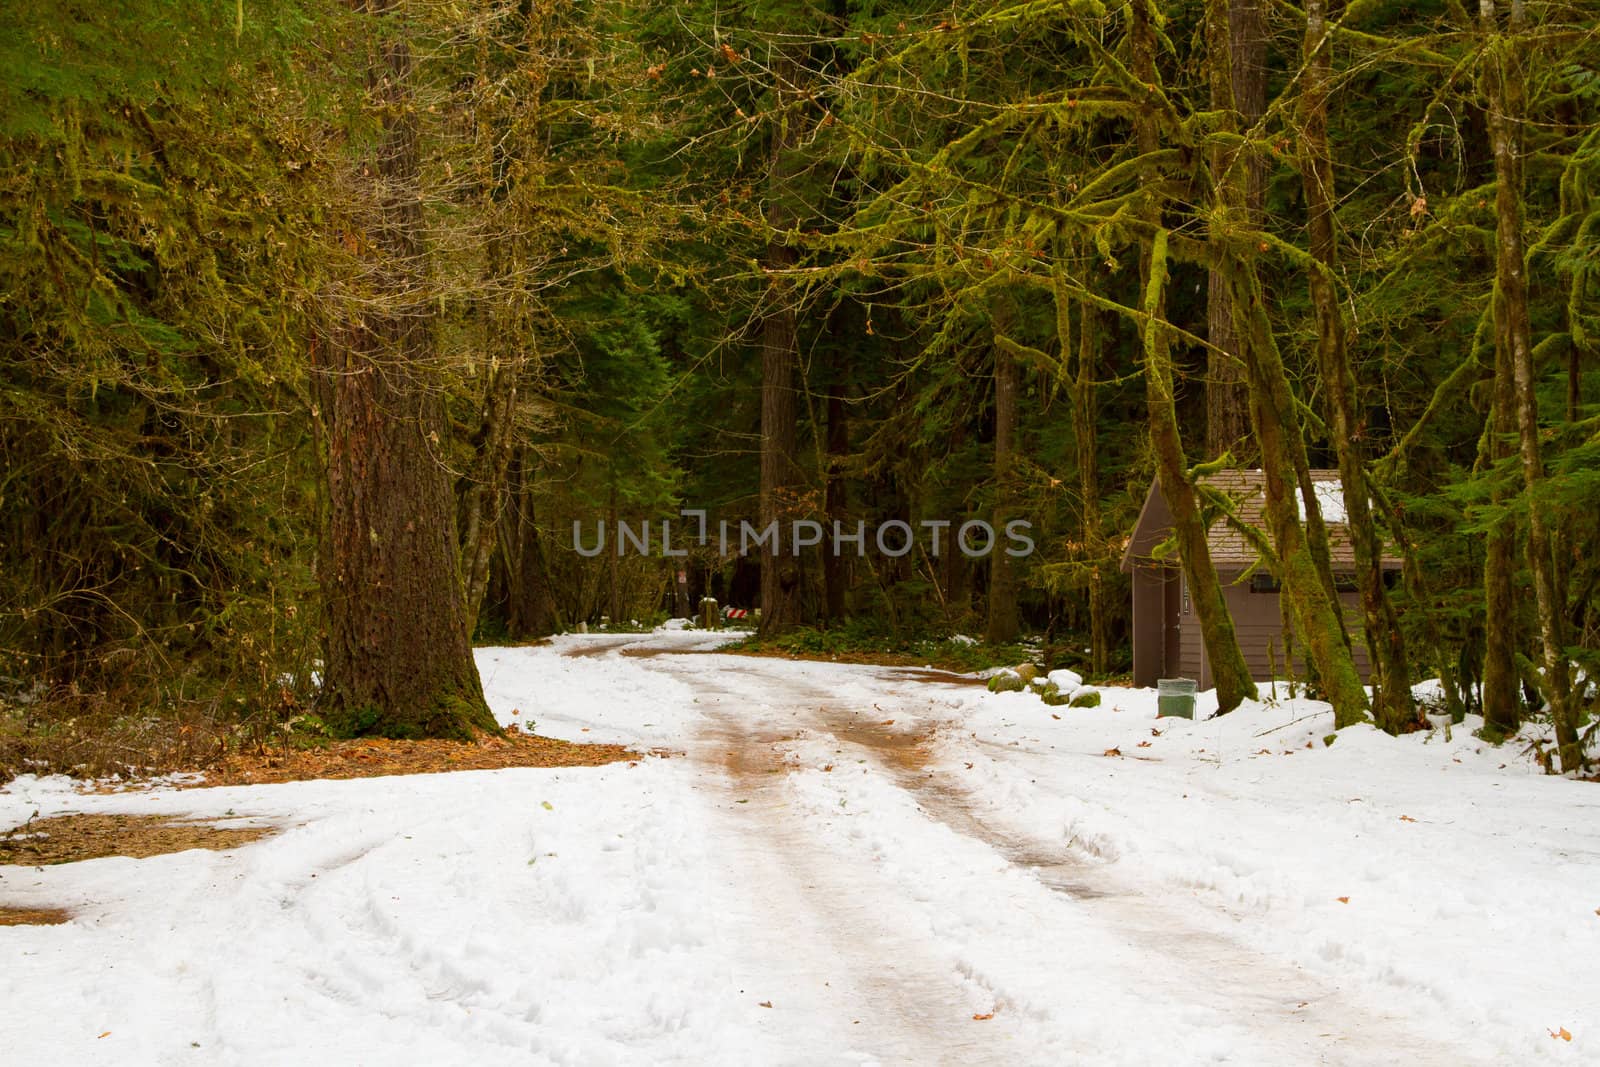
(845, 864)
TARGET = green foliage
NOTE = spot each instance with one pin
(870, 640)
(155, 502)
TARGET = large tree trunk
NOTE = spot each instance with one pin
(1237, 47)
(780, 567)
(1514, 332)
(1232, 675)
(1391, 671)
(398, 662)
(1003, 624)
(1501, 693)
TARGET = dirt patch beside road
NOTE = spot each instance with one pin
(70, 838)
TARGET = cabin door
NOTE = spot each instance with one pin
(1172, 620)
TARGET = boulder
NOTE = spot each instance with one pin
(1054, 697)
(1007, 681)
(1066, 681)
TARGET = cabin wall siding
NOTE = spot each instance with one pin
(1258, 626)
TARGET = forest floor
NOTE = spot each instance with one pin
(840, 864)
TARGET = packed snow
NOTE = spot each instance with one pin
(839, 864)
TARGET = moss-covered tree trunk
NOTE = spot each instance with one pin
(1304, 572)
(397, 662)
(1513, 332)
(1228, 668)
(483, 495)
(1501, 695)
(1391, 672)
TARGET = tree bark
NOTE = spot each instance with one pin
(1391, 671)
(1237, 47)
(780, 567)
(1515, 334)
(398, 662)
(484, 495)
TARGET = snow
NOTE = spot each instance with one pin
(1066, 682)
(1330, 501)
(879, 854)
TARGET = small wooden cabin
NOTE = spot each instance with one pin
(1166, 632)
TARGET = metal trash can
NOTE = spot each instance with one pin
(1175, 697)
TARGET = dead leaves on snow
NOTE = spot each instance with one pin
(378, 757)
(33, 916)
(74, 837)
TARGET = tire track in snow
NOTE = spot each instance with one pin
(1286, 1009)
(894, 1001)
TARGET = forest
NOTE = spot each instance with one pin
(333, 334)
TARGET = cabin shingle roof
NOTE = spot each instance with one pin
(1230, 551)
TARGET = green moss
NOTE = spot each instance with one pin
(449, 717)
(868, 641)
(1007, 681)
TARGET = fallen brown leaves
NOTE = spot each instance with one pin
(33, 916)
(70, 838)
(375, 757)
